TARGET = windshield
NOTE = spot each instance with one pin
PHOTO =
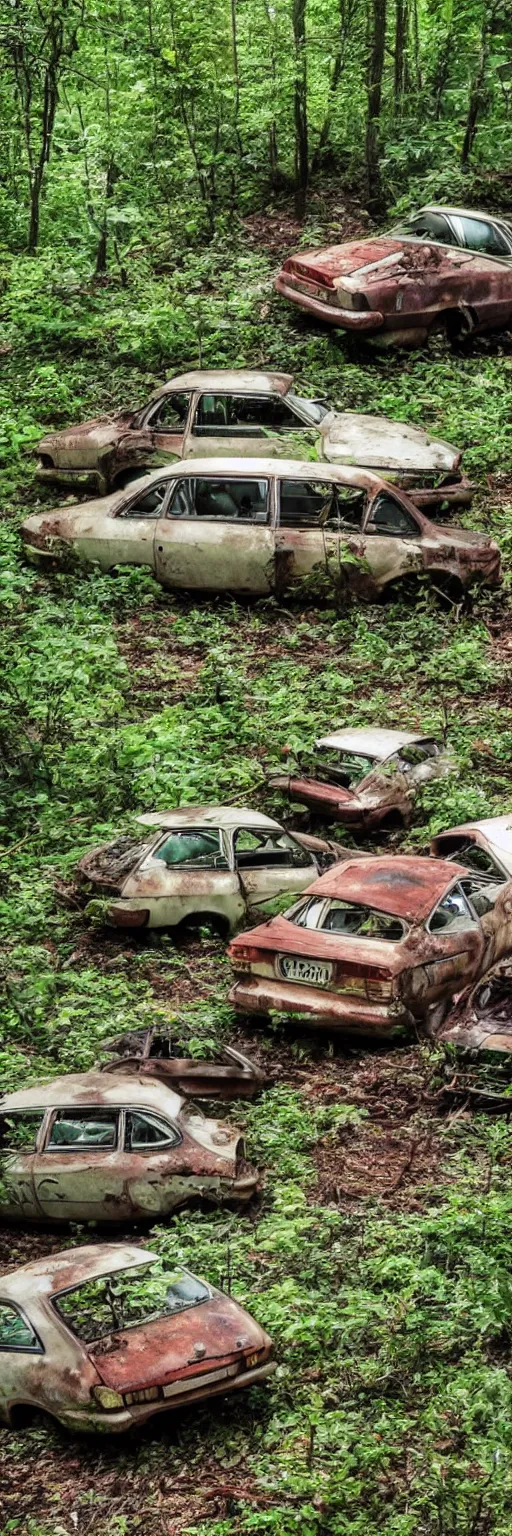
(311, 410)
(129, 1297)
(346, 768)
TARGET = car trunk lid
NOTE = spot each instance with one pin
(107, 868)
(168, 1349)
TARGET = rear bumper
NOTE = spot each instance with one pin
(127, 1418)
(327, 1010)
(349, 320)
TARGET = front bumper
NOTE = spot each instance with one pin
(354, 1015)
(84, 477)
(119, 1421)
(349, 320)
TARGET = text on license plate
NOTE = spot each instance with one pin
(312, 972)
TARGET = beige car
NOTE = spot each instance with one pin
(113, 1147)
(103, 1337)
(201, 862)
(252, 414)
(257, 526)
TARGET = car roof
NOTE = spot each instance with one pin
(209, 816)
(377, 743)
(242, 381)
(401, 884)
(495, 830)
(287, 469)
(95, 1089)
(59, 1271)
(465, 213)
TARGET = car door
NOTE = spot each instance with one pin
(392, 540)
(456, 944)
(270, 863)
(318, 520)
(20, 1133)
(126, 535)
(252, 426)
(21, 1353)
(217, 535)
(167, 421)
(78, 1174)
(154, 1163)
(188, 870)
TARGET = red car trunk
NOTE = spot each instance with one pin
(340, 260)
(163, 1351)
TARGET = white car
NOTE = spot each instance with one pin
(203, 862)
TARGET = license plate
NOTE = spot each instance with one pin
(311, 972)
(192, 1383)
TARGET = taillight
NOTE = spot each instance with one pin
(144, 1395)
(242, 956)
(378, 991)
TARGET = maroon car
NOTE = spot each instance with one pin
(373, 945)
(444, 267)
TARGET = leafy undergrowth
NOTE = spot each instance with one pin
(379, 1252)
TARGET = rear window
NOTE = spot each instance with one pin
(348, 918)
(111, 1303)
(346, 768)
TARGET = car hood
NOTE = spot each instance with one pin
(159, 1352)
(378, 443)
(101, 431)
(369, 262)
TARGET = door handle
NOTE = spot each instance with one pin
(160, 549)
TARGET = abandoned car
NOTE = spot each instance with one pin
(374, 945)
(480, 1021)
(256, 526)
(365, 778)
(102, 1146)
(249, 414)
(484, 846)
(149, 1052)
(103, 1337)
(204, 863)
(445, 268)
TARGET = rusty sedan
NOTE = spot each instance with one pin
(256, 526)
(366, 778)
(201, 863)
(101, 1146)
(101, 1338)
(249, 414)
(445, 268)
(480, 1023)
(374, 945)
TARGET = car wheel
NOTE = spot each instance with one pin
(459, 323)
(27, 1416)
(214, 920)
(449, 589)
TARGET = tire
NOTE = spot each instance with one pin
(459, 324)
(449, 589)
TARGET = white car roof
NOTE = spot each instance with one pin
(59, 1271)
(371, 743)
(209, 816)
(95, 1090)
(243, 381)
(495, 830)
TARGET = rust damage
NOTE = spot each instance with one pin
(149, 1053)
(107, 1336)
(366, 778)
(374, 945)
(117, 1146)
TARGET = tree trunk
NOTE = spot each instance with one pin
(477, 95)
(300, 107)
(376, 203)
(401, 38)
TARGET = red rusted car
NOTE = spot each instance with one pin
(445, 268)
(365, 778)
(375, 944)
(103, 1337)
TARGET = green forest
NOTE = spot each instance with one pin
(159, 163)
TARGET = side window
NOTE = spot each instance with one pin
(149, 504)
(263, 850)
(200, 850)
(415, 755)
(170, 413)
(475, 857)
(19, 1131)
(389, 518)
(145, 1131)
(232, 500)
(15, 1331)
(452, 914)
(243, 415)
(432, 226)
(319, 504)
(480, 236)
(482, 895)
(75, 1129)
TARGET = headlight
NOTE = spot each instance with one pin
(107, 1398)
